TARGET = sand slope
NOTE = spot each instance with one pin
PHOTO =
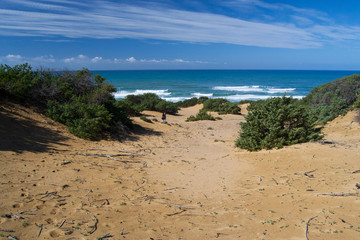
(174, 181)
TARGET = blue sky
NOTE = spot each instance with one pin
(187, 34)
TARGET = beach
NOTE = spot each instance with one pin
(180, 180)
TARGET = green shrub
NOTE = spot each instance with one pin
(356, 104)
(202, 115)
(222, 106)
(84, 120)
(276, 122)
(332, 99)
(151, 102)
(188, 102)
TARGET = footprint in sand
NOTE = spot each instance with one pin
(54, 234)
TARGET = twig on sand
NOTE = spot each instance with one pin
(338, 194)
(356, 171)
(105, 236)
(308, 173)
(169, 189)
(351, 226)
(62, 223)
(175, 205)
(6, 230)
(307, 227)
(94, 228)
(275, 181)
(172, 214)
(40, 231)
(73, 228)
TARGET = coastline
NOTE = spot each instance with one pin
(177, 180)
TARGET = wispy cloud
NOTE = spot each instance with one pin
(110, 20)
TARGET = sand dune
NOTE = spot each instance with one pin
(181, 180)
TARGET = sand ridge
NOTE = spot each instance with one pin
(181, 180)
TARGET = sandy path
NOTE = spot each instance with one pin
(176, 181)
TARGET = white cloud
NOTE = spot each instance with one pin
(131, 60)
(96, 59)
(79, 59)
(14, 58)
(109, 20)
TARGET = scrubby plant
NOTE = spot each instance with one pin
(79, 99)
(276, 122)
(151, 102)
(222, 106)
(332, 99)
(202, 115)
(84, 120)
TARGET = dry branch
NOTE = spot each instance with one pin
(62, 223)
(307, 227)
(94, 228)
(172, 214)
(308, 173)
(351, 225)
(338, 194)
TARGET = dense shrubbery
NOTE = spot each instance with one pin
(222, 106)
(191, 102)
(276, 122)
(328, 101)
(151, 102)
(80, 100)
(202, 115)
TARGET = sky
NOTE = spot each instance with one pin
(187, 34)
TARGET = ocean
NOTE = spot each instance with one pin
(233, 85)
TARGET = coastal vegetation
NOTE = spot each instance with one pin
(81, 100)
(276, 122)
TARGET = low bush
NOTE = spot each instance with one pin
(151, 102)
(276, 122)
(84, 120)
(202, 115)
(332, 99)
(80, 100)
(222, 106)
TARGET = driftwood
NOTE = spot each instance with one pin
(307, 227)
(338, 194)
(275, 181)
(40, 231)
(356, 171)
(6, 230)
(94, 228)
(172, 214)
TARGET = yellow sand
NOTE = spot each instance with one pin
(174, 181)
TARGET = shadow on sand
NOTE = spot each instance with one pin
(19, 135)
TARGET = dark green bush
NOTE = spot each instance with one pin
(332, 99)
(80, 100)
(151, 102)
(202, 115)
(188, 102)
(276, 122)
(356, 104)
(222, 106)
(83, 120)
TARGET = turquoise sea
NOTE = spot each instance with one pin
(234, 85)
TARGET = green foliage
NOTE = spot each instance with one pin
(222, 106)
(17, 81)
(151, 102)
(202, 115)
(276, 122)
(145, 119)
(191, 102)
(356, 104)
(332, 99)
(80, 100)
(83, 120)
